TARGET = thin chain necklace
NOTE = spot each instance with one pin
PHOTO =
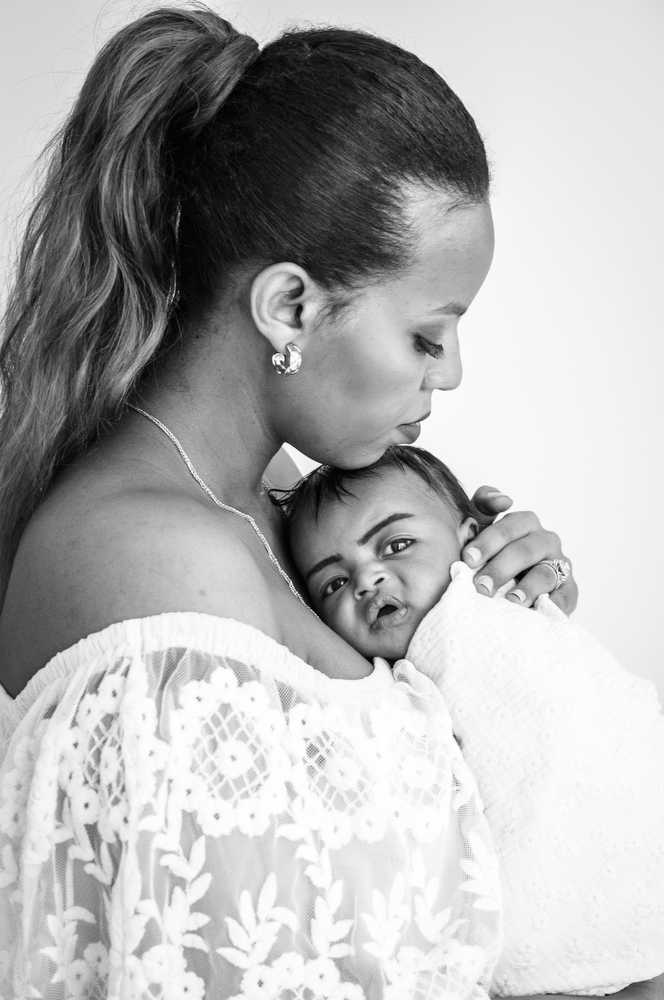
(225, 506)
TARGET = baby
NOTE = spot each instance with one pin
(566, 746)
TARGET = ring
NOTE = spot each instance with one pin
(560, 567)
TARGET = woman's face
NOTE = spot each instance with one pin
(368, 374)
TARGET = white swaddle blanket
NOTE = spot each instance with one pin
(568, 751)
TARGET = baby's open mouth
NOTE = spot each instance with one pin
(384, 611)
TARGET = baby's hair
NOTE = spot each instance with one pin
(326, 484)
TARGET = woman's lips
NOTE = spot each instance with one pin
(411, 432)
(395, 612)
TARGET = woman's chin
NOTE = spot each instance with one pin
(356, 454)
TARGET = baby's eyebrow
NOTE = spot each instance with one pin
(360, 541)
(322, 564)
(381, 524)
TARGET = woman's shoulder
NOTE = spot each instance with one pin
(81, 567)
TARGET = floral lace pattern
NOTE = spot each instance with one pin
(568, 751)
(189, 811)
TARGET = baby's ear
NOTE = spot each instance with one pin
(468, 530)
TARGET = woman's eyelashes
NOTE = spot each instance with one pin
(436, 351)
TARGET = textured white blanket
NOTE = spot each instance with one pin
(568, 751)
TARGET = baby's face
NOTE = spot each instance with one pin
(378, 562)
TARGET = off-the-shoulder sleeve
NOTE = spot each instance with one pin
(196, 819)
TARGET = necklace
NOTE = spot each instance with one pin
(225, 506)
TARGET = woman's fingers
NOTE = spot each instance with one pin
(489, 502)
(510, 549)
(567, 595)
(542, 580)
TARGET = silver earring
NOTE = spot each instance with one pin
(294, 360)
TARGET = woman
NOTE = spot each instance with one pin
(233, 249)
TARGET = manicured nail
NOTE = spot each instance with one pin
(486, 582)
(474, 555)
(518, 595)
(495, 495)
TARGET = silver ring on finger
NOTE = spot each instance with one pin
(561, 569)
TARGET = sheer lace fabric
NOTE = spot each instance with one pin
(187, 810)
(568, 751)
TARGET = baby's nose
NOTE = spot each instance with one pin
(368, 582)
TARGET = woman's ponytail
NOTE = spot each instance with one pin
(96, 281)
(153, 199)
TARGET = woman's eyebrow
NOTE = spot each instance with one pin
(360, 541)
(451, 309)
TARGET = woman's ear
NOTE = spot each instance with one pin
(468, 530)
(283, 298)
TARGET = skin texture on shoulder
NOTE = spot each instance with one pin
(81, 569)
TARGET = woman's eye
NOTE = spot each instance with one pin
(333, 585)
(398, 545)
(436, 351)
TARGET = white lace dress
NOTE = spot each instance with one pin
(188, 810)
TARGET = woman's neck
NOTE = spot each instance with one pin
(211, 396)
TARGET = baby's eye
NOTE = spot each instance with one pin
(333, 585)
(398, 545)
(423, 345)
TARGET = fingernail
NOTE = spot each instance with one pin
(518, 595)
(495, 495)
(486, 582)
(474, 555)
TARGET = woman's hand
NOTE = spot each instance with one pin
(510, 549)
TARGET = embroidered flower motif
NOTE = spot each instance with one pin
(342, 772)
(195, 699)
(369, 824)
(336, 829)
(305, 721)
(426, 824)
(253, 816)
(321, 975)
(14, 792)
(251, 699)
(260, 983)
(84, 802)
(234, 757)
(290, 970)
(216, 817)
(79, 978)
(89, 712)
(96, 955)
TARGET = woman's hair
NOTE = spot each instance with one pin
(189, 162)
(329, 485)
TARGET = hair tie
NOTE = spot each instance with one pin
(215, 79)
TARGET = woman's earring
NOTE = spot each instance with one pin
(294, 360)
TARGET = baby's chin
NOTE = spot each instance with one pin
(390, 644)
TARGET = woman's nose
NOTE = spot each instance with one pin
(446, 373)
(368, 580)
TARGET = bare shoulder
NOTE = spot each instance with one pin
(138, 554)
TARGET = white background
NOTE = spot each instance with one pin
(561, 404)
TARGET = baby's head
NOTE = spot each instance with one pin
(375, 545)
